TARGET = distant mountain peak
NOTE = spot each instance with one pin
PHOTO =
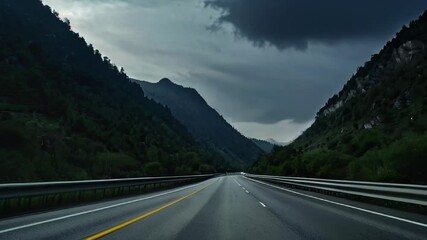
(274, 142)
(202, 121)
(166, 81)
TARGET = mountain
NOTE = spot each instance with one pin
(265, 145)
(375, 127)
(274, 142)
(67, 112)
(203, 122)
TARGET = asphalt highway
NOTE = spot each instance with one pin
(228, 207)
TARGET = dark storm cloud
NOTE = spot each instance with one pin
(294, 23)
(258, 100)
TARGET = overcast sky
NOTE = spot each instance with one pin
(266, 66)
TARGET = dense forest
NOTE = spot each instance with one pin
(203, 122)
(67, 112)
(375, 127)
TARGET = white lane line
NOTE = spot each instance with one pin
(262, 204)
(237, 182)
(96, 210)
(241, 186)
(344, 205)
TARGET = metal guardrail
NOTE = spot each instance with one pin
(401, 193)
(21, 190)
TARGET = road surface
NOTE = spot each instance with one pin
(228, 207)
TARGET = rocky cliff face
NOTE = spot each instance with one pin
(406, 54)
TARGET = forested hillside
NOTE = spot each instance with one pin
(264, 145)
(203, 122)
(67, 112)
(375, 127)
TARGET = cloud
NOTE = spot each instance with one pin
(275, 91)
(267, 86)
(295, 23)
(283, 131)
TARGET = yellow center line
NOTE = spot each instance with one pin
(145, 215)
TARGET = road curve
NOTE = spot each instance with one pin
(228, 207)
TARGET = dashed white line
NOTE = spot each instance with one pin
(237, 182)
(343, 205)
(262, 204)
(241, 186)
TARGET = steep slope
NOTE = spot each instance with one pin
(266, 146)
(375, 127)
(274, 142)
(66, 112)
(203, 122)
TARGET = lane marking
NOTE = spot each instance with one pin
(96, 210)
(262, 204)
(141, 217)
(343, 205)
(241, 185)
(236, 182)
